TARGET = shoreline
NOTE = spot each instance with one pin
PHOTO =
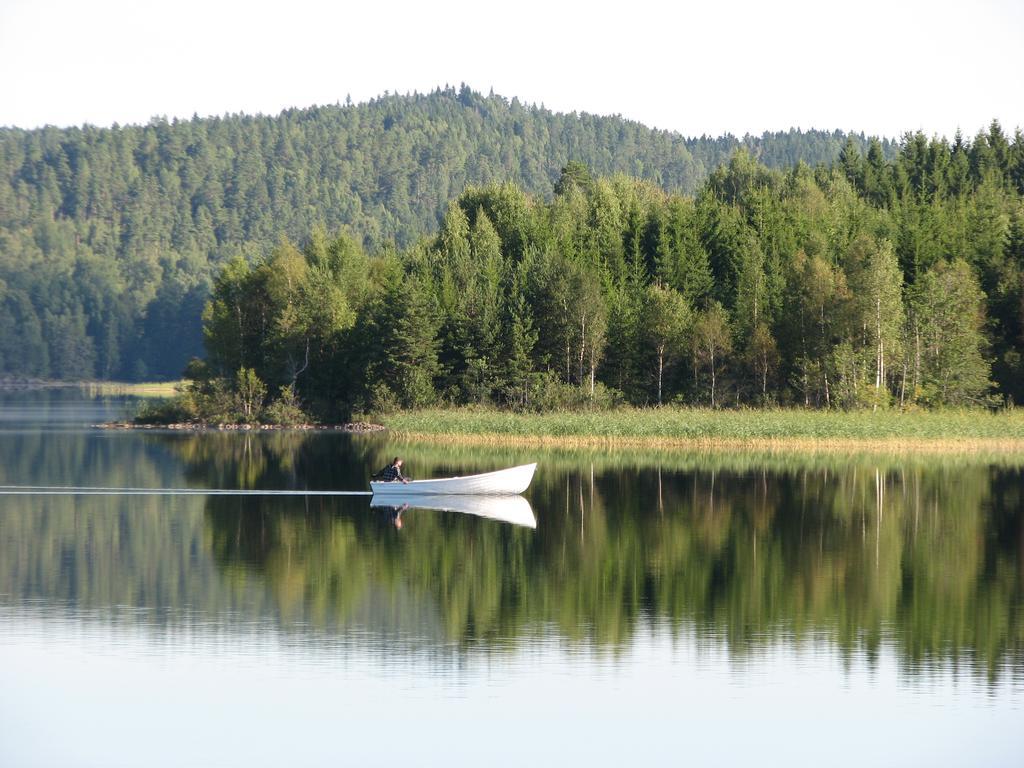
(777, 431)
(101, 387)
(357, 427)
(893, 445)
(702, 430)
(777, 445)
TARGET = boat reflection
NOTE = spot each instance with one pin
(506, 509)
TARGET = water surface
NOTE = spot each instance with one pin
(672, 608)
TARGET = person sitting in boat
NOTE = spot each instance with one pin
(392, 472)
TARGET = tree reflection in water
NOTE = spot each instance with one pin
(924, 555)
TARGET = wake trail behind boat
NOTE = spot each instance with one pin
(82, 490)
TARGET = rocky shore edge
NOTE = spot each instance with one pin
(358, 427)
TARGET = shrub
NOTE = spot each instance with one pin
(286, 410)
(551, 394)
(175, 410)
(250, 393)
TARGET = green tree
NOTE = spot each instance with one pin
(666, 321)
(605, 247)
(589, 315)
(624, 365)
(250, 393)
(236, 319)
(815, 316)
(712, 343)
(574, 175)
(407, 330)
(851, 162)
(763, 358)
(519, 341)
(682, 262)
(876, 286)
(951, 308)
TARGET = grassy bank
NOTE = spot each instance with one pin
(943, 431)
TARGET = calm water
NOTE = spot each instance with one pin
(665, 609)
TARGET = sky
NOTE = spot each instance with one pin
(881, 67)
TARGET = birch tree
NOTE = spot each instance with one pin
(667, 320)
(712, 343)
(876, 286)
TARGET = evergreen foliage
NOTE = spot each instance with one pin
(769, 288)
(490, 252)
(110, 238)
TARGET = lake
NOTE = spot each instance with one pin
(666, 608)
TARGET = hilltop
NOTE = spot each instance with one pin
(110, 237)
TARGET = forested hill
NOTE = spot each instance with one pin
(109, 237)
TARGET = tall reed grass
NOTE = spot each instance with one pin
(762, 429)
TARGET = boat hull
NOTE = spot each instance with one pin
(502, 482)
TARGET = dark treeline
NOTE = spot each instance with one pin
(110, 237)
(867, 284)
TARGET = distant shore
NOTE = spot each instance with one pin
(680, 428)
(137, 389)
(357, 427)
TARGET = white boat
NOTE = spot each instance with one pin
(504, 481)
(505, 508)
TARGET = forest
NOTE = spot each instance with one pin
(866, 284)
(110, 237)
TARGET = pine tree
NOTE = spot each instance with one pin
(519, 340)
(951, 307)
(624, 359)
(958, 180)
(852, 164)
(407, 329)
(682, 262)
(1015, 162)
(877, 176)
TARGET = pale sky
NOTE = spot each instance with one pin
(882, 67)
